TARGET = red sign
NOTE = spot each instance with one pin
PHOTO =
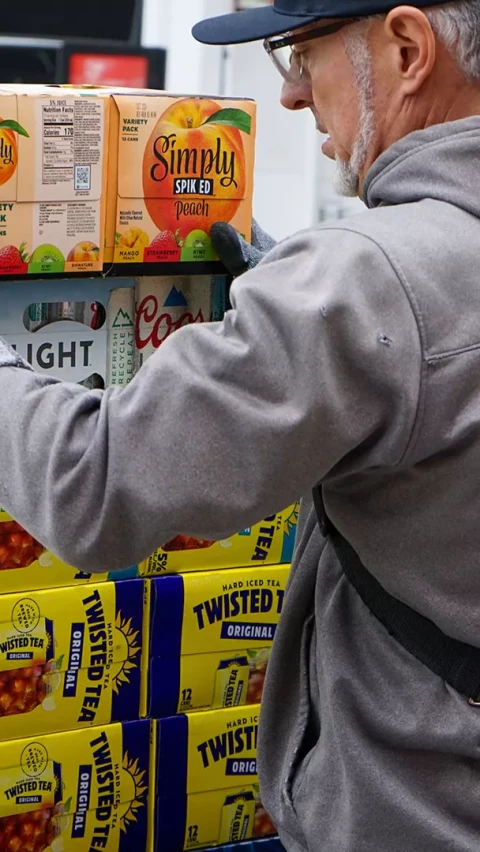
(160, 325)
(99, 69)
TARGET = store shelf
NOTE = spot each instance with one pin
(137, 270)
(129, 270)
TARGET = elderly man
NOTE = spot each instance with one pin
(349, 367)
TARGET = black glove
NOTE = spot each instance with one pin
(236, 254)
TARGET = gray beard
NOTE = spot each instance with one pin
(346, 180)
(347, 176)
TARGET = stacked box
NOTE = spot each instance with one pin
(270, 542)
(207, 791)
(88, 331)
(26, 564)
(91, 177)
(70, 658)
(177, 165)
(165, 304)
(79, 790)
(78, 331)
(210, 636)
(53, 180)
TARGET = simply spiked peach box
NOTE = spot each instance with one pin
(177, 165)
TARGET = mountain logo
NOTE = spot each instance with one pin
(175, 299)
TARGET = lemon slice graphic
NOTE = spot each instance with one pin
(62, 824)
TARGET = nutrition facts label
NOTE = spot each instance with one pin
(58, 142)
(72, 141)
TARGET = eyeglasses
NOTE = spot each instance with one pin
(289, 62)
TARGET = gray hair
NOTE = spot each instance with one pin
(457, 25)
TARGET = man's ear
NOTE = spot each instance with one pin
(413, 46)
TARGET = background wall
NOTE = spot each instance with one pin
(293, 179)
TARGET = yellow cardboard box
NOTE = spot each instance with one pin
(177, 165)
(207, 789)
(26, 565)
(269, 542)
(210, 636)
(78, 791)
(53, 179)
(70, 658)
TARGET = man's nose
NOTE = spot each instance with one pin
(296, 95)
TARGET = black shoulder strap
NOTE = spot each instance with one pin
(455, 662)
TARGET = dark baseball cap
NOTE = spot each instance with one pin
(286, 15)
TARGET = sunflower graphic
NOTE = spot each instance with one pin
(131, 640)
(137, 782)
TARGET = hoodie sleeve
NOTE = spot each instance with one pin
(314, 372)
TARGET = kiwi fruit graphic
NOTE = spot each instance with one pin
(47, 254)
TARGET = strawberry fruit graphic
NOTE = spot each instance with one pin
(13, 260)
(166, 247)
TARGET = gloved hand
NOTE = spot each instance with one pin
(236, 254)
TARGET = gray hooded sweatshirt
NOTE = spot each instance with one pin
(352, 358)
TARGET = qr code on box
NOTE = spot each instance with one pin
(83, 177)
